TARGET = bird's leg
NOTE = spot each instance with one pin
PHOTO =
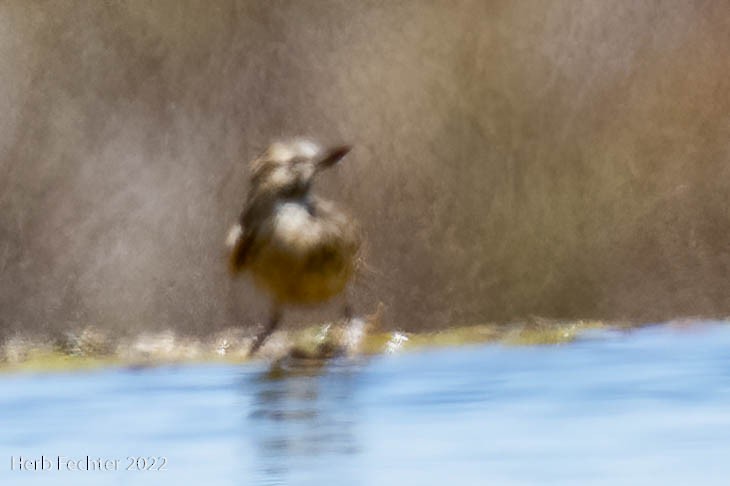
(347, 313)
(274, 319)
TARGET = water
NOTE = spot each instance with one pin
(647, 407)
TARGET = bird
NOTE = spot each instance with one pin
(300, 249)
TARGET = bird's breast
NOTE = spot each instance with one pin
(307, 254)
(295, 227)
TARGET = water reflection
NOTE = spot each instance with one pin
(302, 417)
(649, 407)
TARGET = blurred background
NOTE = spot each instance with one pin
(560, 159)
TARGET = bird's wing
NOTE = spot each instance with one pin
(234, 234)
(242, 235)
(240, 245)
(239, 251)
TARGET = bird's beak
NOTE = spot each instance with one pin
(332, 156)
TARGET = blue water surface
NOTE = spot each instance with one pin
(649, 407)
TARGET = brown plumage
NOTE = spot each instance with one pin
(299, 249)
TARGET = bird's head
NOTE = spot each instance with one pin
(287, 169)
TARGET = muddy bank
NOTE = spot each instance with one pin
(90, 348)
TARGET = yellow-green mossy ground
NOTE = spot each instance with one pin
(91, 348)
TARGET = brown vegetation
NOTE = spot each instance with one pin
(566, 159)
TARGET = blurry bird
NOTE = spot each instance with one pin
(300, 249)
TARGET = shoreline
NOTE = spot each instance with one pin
(91, 349)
